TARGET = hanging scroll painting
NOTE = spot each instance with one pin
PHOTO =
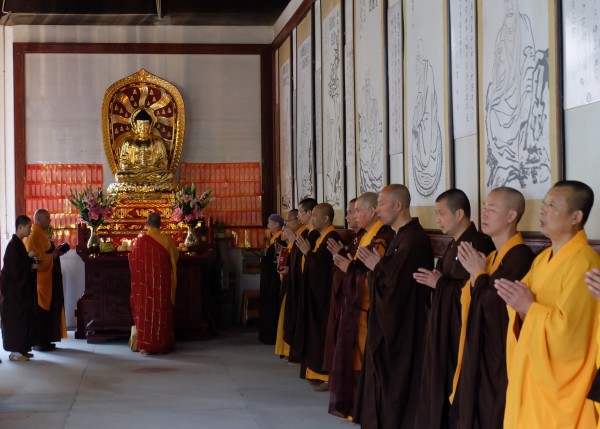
(427, 132)
(333, 107)
(305, 168)
(285, 127)
(370, 95)
(520, 109)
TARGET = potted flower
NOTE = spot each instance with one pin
(188, 209)
(95, 209)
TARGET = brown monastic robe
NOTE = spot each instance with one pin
(481, 390)
(293, 323)
(443, 332)
(338, 299)
(343, 376)
(19, 297)
(317, 280)
(270, 285)
(392, 366)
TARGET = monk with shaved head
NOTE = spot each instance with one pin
(352, 330)
(49, 310)
(317, 272)
(453, 216)
(478, 398)
(551, 347)
(392, 366)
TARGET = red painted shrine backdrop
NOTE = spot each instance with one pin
(237, 197)
(236, 189)
(47, 187)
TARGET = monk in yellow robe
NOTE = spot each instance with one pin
(592, 278)
(50, 322)
(551, 350)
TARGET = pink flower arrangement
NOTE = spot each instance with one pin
(188, 207)
(95, 208)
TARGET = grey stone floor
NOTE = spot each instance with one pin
(230, 382)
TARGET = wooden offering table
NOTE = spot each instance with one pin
(104, 313)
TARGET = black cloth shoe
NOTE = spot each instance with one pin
(45, 347)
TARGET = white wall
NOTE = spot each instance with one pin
(64, 95)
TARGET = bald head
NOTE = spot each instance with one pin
(40, 215)
(398, 193)
(369, 200)
(324, 209)
(513, 200)
(581, 197)
(42, 218)
(322, 216)
(153, 220)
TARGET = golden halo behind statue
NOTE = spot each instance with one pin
(124, 99)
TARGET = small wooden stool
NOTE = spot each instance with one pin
(250, 305)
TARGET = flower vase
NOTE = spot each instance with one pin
(191, 240)
(93, 243)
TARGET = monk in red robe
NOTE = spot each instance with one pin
(453, 216)
(393, 363)
(153, 264)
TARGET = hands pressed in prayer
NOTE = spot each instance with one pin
(427, 277)
(289, 234)
(592, 279)
(342, 262)
(516, 295)
(368, 257)
(471, 259)
(334, 246)
(303, 244)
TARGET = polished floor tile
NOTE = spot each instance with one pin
(231, 381)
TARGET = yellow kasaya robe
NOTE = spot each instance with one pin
(39, 242)
(167, 242)
(551, 357)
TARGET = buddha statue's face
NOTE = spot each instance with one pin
(142, 129)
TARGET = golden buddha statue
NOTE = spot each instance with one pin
(143, 123)
(143, 156)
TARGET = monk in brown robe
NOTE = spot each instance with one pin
(338, 297)
(392, 367)
(293, 324)
(282, 348)
(270, 283)
(352, 332)
(481, 381)
(317, 279)
(453, 216)
(17, 284)
(50, 322)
